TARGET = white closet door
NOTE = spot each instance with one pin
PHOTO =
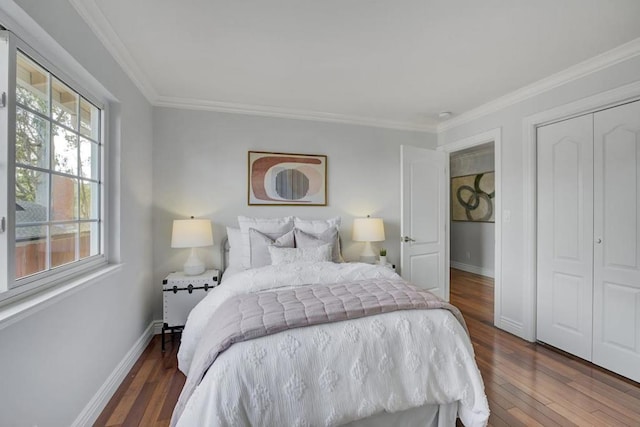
(616, 343)
(565, 235)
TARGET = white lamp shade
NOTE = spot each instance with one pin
(191, 233)
(368, 230)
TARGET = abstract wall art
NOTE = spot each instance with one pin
(287, 179)
(472, 197)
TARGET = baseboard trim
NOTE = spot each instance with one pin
(99, 401)
(473, 269)
(157, 327)
(511, 326)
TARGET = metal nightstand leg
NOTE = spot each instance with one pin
(164, 328)
(173, 329)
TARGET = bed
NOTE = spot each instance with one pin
(408, 365)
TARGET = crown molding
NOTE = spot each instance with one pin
(287, 113)
(607, 59)
(95, 19)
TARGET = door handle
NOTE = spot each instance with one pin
(598, 240)
(407, 239)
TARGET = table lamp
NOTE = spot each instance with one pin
(368, 230)
(192, 233)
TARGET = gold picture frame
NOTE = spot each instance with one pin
(286, 179)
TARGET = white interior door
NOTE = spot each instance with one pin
(616, 344)
(424, 202)
(565, 235)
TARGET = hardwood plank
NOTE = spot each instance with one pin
(635, 393)
(135, 414)
(569, 397)
(525, 384)
(490, 374)
(496, 421)
(606, 417)
(161, 389)
(131, 394)
(528, 420)
(618, 405)
(537, 405)
(496, 397)
(532, 408)
(175, 387)
(619, 399)
(503, 414)
(579, 416)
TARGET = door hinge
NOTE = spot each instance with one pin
(3, 100)
(3, 225)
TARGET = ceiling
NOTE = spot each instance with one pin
(385, 63)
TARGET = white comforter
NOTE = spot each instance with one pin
(338, 372)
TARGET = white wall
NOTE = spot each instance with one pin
(472, 243)
(200, 168)
(515, 304)
(54, 361)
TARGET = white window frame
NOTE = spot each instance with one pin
(20, 288)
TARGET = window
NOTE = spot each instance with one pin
(55, 223)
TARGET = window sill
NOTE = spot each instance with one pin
(18, 310)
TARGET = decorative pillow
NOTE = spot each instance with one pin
(316, 226)
(288, 255)
(313, 240)
(260, 243)
(235, 247)
(269, 226)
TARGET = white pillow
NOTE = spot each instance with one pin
(278, 226)
(313, 240)
(289, 255)
(235, 247)
(316, 225)
(260, 243)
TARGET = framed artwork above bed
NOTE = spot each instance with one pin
(287, 179)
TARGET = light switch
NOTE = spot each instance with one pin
(506, 215)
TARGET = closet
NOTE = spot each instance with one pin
(588, 227)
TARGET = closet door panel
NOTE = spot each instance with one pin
(617, 240)
(565, 235)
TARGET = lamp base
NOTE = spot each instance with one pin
(368, 259)
(367, 254)
(194, 265)
(193, 270)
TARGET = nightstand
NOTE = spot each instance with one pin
(388, 265)
(180, 293)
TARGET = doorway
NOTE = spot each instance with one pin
(473, 232)
(472, 236)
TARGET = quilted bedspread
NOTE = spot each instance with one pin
(339, 372)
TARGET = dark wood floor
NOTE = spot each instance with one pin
(527, 384)
(149, 392)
